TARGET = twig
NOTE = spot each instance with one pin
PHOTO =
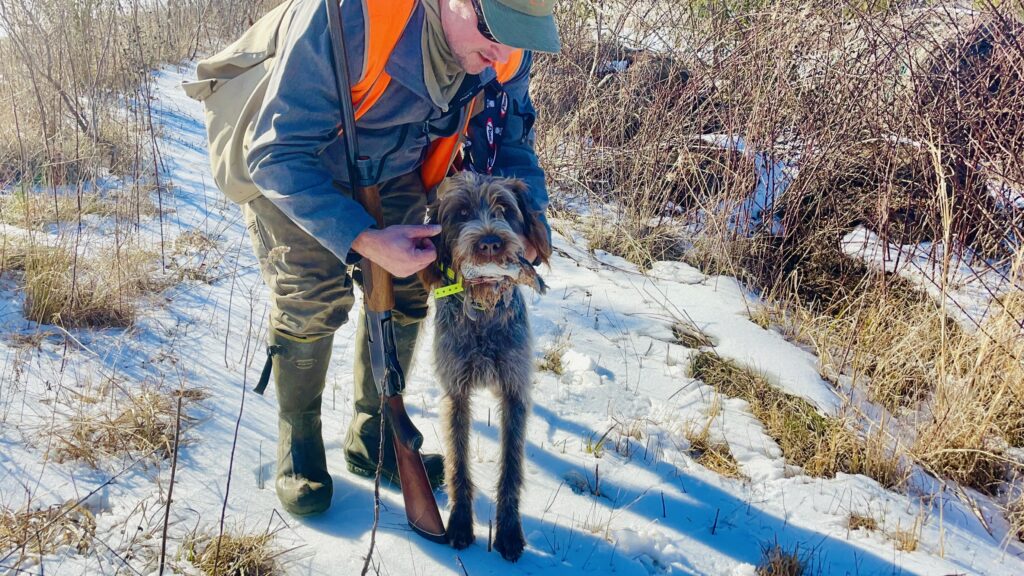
(376, 491)
(170, 488)
(234, 446)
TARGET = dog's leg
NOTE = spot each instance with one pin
(508, 538)
(458, 421)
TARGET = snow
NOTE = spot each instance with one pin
(636, 505)
(773, 178)
(968, 284)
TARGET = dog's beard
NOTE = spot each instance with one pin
(487, 280)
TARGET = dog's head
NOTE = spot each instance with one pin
(481, 220)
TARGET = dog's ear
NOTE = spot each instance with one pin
(536, 229)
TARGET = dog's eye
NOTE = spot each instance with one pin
(464, 212)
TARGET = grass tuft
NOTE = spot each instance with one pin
(776, 561)
(861, 522)
(141, 423)
(34, 533)
(35, 210)
(96, 291)
(714, 456)
(236, 555)
(821, 446)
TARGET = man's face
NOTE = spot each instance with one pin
(473, 51)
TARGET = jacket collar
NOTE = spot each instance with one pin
(405, 65)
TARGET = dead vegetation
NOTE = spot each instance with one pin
(777, 561)
(30, 534)
(234, 555)
(134, 423)
(101, 289)
(861, 522)
(34, 210)
(822, 446)
(760, 137)
(551, 360)
(711, 454)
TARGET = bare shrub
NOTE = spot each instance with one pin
(196, 256)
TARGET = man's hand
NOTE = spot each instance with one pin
(529, 251)
(401, 250)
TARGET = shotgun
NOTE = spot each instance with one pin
(379, 299)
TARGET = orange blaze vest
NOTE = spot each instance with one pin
(384, 26)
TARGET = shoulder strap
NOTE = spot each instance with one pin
(442, 152)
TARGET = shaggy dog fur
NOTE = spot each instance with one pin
(482, 337)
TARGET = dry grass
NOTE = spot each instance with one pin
(76, 90)
(776, 561)
(821, 446)
(551, 361)
(98, 290)
(714, 456)
(1015, 516)
(12, 254)
(196, 256)
(687, 334)
(861, 522)
(978, 406)
(34, 210)
(907, 540)
(234, 555)
(139, 422)
(35, 533)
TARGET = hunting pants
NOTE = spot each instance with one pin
(311, 294)
(310, 289)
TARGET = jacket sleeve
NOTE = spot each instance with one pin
(299, 119)
(516, 156)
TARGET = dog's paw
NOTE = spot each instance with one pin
(460, 529)
(509, 541)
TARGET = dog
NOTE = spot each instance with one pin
(482, 335)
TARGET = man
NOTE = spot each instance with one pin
(306, 227)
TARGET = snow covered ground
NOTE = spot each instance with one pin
(636, 504)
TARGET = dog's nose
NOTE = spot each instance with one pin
(489, 245)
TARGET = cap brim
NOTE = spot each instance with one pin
(519, 30)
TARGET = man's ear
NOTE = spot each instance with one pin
(536, 228)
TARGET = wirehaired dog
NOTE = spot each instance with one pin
(482, 336)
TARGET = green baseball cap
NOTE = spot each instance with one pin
(526, 24)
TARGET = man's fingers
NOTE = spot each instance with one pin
(424, 231)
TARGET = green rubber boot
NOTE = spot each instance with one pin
(362, 441)
(303, 484)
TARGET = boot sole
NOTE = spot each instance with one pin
(388, 475)
(385, 474)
